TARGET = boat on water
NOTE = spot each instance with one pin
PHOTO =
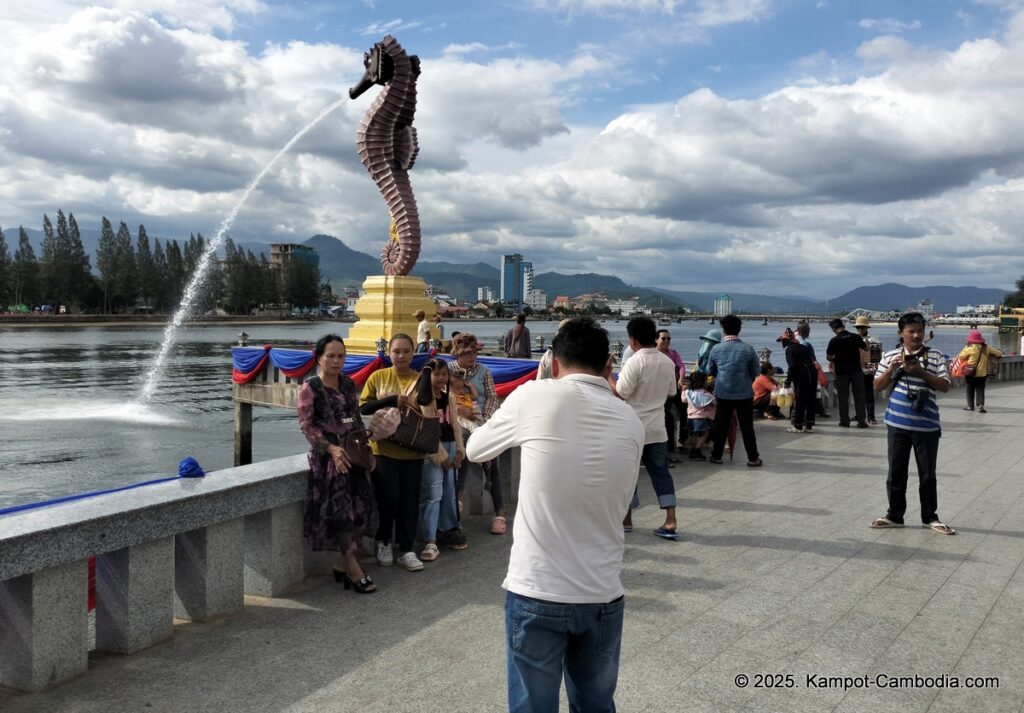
(664, 320)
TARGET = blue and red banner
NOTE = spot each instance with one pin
(249, 361)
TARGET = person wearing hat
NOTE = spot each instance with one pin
(422, 332)
(466, 367)
(978, 356)
(845, 351)
(707, 340)
(869, 364)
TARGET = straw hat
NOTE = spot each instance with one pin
(862, 321)
(975, 337)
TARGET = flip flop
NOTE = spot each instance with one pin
(667, 534)
(940, 527)
(884, 523)
(755, 463)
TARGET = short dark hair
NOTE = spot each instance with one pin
(520, 318)
(835, 323)
(698, 380)
(803, 327)
(910, 318)
(643, 330)
(664, 331)
(731, 325)
(581, 343)
(767, 369)
(322, 342)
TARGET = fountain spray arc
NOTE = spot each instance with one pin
(192, 291)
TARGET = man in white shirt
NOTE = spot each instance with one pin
(581, 449)
(645, 381)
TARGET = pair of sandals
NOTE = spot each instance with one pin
(884, 523)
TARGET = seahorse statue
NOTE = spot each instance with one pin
(387, 146)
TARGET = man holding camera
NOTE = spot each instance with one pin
(915, 374)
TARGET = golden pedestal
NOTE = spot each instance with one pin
(386, 309)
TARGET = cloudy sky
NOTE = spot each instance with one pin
(797, 147)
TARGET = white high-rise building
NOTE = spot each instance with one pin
(723, 305)
(537, 300)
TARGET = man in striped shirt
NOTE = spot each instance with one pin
(916, 373)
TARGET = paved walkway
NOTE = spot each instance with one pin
(777, 573)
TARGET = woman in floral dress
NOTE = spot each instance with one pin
(340, 506)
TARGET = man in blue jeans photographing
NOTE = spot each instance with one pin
(580, 456)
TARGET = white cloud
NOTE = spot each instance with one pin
(888, 25)
(115, 112)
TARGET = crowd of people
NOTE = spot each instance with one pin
(564, 601)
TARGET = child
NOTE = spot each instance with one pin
(700, 413)
(466, 397)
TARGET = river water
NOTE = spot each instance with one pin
(70, 421)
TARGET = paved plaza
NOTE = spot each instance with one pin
(776, 578)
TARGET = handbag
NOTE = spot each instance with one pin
(958, 367)
(355, 443)
(993, 367)
(415, 431)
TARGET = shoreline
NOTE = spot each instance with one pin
(63, 320)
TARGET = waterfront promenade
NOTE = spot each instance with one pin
(776, 573)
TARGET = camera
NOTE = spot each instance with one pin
(910, 359)
(918, 399)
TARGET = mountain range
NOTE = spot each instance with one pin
(346, 267)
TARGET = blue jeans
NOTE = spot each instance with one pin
(438, 510)
(655, 461)
(543, 639)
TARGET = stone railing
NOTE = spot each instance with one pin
(186, 549)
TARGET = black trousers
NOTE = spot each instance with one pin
(844, 383)
(744, 410)
(925, 445)
(396, 483)
(674, 414)
(869, 396)
(802, 414)
(975, 390)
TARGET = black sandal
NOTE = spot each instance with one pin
(361, 586)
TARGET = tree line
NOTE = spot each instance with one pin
(135, 274)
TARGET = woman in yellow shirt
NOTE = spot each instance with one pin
(399, 472)
(977, 354)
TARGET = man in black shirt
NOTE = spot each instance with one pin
(847, 351)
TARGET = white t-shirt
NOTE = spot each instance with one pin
(581, 450)
(422, 331)
(646, 380)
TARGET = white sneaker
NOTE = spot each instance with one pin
(410, 561)
(385, 558)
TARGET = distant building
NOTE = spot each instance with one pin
(927, 308)
(723, 305)
(537, 300)
(484, 294)
(283, 253)
(562, 301)
(626, 307)
(516, 279)
(975, 309)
